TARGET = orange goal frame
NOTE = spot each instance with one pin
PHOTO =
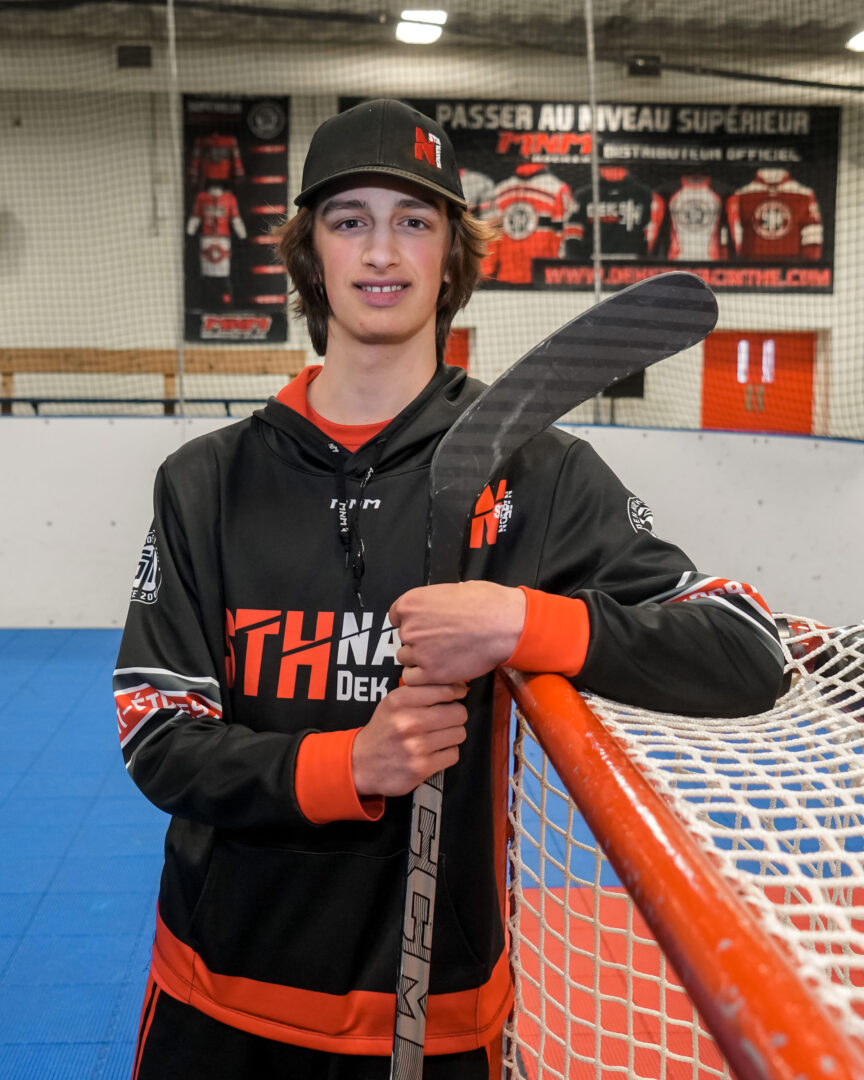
(745, 984)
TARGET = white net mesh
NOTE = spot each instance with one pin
(700, 107)
(777, 801)
(104, 309)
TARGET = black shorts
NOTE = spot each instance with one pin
(177, 1042)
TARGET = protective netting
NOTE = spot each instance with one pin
(776, 799)
(147, 149)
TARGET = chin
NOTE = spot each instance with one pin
(389, 335)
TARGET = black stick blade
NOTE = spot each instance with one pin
(624, 334)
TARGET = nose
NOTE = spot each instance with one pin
(381, 250)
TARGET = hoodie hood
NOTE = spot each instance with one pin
(407, 442)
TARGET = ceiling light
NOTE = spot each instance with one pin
(856, 43)
(417, 33)
(438, 18)
(421, 26)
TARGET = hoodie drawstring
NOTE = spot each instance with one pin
(349, 523)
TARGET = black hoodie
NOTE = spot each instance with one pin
(259, 616)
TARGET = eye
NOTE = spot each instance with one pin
(348, 223)
(416, 223)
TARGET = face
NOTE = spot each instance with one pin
(382, 248)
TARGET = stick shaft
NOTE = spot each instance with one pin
(624, 334)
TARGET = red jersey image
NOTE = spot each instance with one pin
(775, 217)
(216, 213)
(215, 157)
(532, 205)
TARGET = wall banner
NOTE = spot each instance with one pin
(742, 195)
(235, 152)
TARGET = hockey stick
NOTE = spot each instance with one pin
(622, 335)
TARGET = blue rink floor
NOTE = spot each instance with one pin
(80, 855)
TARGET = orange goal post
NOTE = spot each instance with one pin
(715, 927)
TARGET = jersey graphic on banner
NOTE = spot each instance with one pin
(697, 224)
(630, 216)
(215, 157)
(215, 211)
(479, 192)
(532, 206)
(775, 217)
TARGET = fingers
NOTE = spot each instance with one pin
(428, 730)
(400, 606)
(411, 675)
(457, 631)
(426, 752)
(415, 732)
(415, 675)
(422, 694)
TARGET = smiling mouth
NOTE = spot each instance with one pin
(382, 288)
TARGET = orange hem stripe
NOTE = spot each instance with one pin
(360, 1022)
(151, 997)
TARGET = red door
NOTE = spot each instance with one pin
(758, 381)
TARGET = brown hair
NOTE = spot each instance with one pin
(296, 251)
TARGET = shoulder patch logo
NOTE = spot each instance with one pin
(148, 577)
(641, 515)
(491, 516)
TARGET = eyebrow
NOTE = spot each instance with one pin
(408, 202)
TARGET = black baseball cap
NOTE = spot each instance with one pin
(382, 136)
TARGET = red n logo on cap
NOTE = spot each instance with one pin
(428, 147)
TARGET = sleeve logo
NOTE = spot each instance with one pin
(148, 576)
(641, 515)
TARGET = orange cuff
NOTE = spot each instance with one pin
(324, 782)
(555, 634)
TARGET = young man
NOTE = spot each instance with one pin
(286, 679)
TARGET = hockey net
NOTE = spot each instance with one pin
(771, 811)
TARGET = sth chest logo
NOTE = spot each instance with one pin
(295, 654)
(492, 513)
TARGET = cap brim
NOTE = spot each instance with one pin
(305, 196)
